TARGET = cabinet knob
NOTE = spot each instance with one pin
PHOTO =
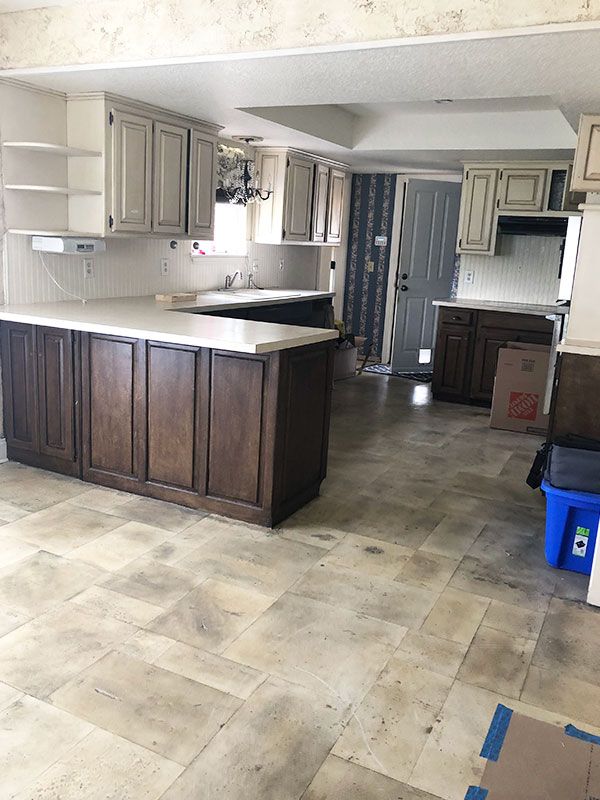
(455, 318)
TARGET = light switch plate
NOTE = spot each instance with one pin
(469, 276)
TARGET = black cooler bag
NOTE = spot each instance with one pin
(574, 464)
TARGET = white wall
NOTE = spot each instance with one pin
(524, 270)
(131, 267)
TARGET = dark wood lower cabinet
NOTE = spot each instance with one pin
(231, 433)
(466, 351)
(41, 396)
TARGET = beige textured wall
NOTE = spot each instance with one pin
(124, 30)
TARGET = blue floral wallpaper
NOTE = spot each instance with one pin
(371, 215)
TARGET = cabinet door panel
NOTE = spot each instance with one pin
(112, 407)
(132, 172)
(20, 386)
(586, 169)
(485, 359)
(452, 353)
(321, 193)
(56, 398)
(522, 189)
(202, 185)
(172, 441)
(299, 193)
(236, 422)
(170, 174)
(335, 211)
(477, 224)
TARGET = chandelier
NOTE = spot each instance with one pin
(238, 176)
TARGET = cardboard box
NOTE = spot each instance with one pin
(520, 387)
(344, 363)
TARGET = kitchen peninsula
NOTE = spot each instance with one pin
(196, 403)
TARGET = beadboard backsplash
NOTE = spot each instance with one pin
(131, 267)
(524, 270)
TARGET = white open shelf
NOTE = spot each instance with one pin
(31, 187)
(53, 149)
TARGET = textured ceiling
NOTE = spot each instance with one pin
(550, 77)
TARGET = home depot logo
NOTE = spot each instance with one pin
(523, 405)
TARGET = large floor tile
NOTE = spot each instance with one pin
(367, 594)
(120, 547)
(318, 536)
(497, 661)
(428, 571)
(155, 708)
(45, 653)
(569, 641)
(35, 489)
(433, 653)
(513, 619)
(456, 616)
(106, 603)
(13, 550)
(210, 669)
(154, 512)
(341, 780)
(102, 766)
(61, 528)
(146, 645)
(152, 581)
(211, 616)
(250, 556)
(363, 554)
(565, 694)
(11, 619)
(33, 735)
(43, 580)
(101, 499)
(270, 750)
(391, 725)
(323, 647)
(454, 536)
(9, 512)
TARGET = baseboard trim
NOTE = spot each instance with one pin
(3, 456)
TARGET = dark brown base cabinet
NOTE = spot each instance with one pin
(230, 433)
(466, 350)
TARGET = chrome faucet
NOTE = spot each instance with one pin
(251, 283)
(229, 279)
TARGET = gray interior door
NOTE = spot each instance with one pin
(426, 266)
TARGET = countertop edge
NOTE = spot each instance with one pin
(493, 305)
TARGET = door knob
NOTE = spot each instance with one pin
(404, 288)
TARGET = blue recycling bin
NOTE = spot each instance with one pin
(571, 528)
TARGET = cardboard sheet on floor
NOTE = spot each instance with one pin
(538, 761)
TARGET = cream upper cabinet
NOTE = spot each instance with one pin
(478, 223)
(586, 169)
(335, 212)
(299, 195)
(132, 173)
(319, 220)
(169, 187)
(202, 185)
(522, 189)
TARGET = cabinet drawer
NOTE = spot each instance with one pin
(456, 316)
(507, 320)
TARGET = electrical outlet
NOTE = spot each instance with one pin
(88, 267)
(470, 276)
(164, 266)
(370, 266)
(255, 265)
(282, 264)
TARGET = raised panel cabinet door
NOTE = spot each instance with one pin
(20, 386)
(299, 194)
(132, 173)
(113, 406)
(522, 189)
(586, 168)
(451, 361)
(321, 194)
(56, 392)
(202, 185)
(172, 374)
(170, 178)
(335, 212)
(236, 427)
(485, 360)
(478, 224)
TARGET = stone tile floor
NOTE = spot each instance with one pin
(148, 651)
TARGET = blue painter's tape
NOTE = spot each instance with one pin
(497, 733)
(476, 793)
(571, 730)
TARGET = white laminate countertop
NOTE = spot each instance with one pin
(496, 305)
(146, 318)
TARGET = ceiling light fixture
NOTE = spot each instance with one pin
(244, 188)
